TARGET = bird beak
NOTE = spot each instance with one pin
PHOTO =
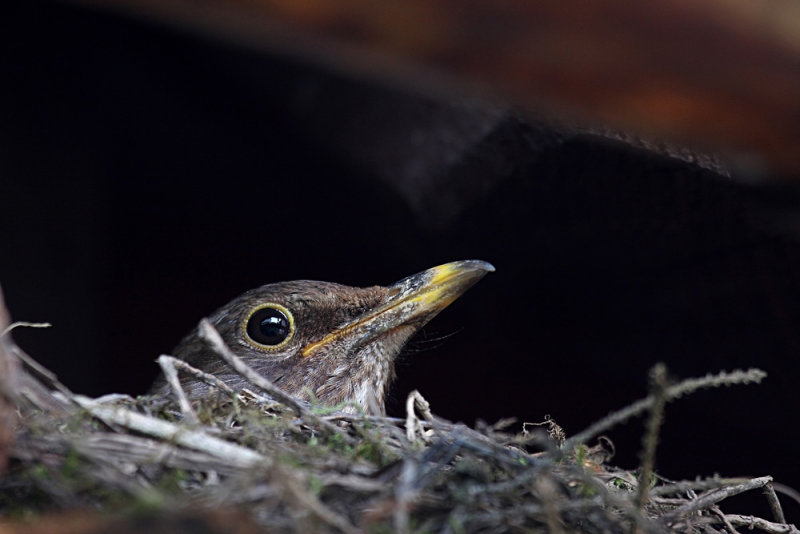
(411, 302)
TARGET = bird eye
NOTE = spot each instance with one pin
(269, 326)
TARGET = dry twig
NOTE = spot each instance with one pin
(210, 334)
(345, 472)
(658, 386)
(712, 497)
(170, 432)
(685, 387)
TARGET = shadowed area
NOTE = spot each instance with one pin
(148, 180)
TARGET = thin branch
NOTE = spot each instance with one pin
(713, 497)
(316, 506)
(415, 401)
(787, 490)
(138, 450)
(193, 439)
(210, 334)
(725, 521)
(465, 480)
(761, 524)
(405, 493)
(206, 378)
(44, 373)
(774, 503)
(685, 486)
(658, 385)
(23, 324)
(673, 392)
(171, 374)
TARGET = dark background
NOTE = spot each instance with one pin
(148, 175)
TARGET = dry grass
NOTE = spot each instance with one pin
(289, 466)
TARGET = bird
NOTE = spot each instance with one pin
(325, 342)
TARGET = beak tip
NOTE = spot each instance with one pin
(477, 265)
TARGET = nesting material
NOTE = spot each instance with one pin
(296, 467)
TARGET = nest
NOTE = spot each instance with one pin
(257, 459)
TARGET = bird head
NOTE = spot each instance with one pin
(327, 341)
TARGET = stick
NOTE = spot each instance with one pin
(413, 424)
(171, 374)
(206, 378)
(316, 506)
(717, 512)
(49, 376)
(774, 503)
(713, 497)
(17, 324)
(755, 522)
(192, 439)
(673, 392)
(210, 334)
(658, 386)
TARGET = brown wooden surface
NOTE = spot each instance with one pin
(724, 75)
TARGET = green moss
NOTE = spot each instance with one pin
(315, 485)
(622, 484)
(580, 455)
(71, 464)
(171, 481)
(370, 452)
(456, 524)
(586, 490)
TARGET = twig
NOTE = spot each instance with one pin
(192, 439)
(143, 451)
(725, 521)
(554, 430)
(49, 376)
(24, 324)
(610, 500)
(206, 378)
(171, 374)
(774, 503)
(465, 480)
(692, 485)
(210, 334)
(787, 490)
(511, 456)
(316, 506)
(405, 493)
(762, 524)
(415, 401)
(713, 497)
(352, 482)
(546, 490)
(658, 385)
(673, 392)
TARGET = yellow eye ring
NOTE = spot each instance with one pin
(268, 326)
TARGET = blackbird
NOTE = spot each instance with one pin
(322, 340)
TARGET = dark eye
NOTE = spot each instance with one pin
(270, 325)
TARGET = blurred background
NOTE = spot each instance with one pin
(632, 178)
